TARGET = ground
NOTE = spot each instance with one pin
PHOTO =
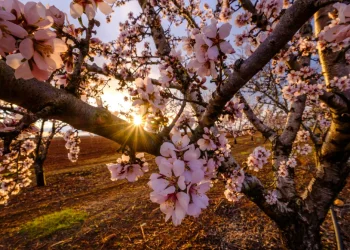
(121, 216)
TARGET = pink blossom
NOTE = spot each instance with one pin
(39, 56)
(342, 83)
(180, 142)
(234, 185)
(243, 19)
(203, 68)
(271, 197)
(28, 146)
(125, 169)
(258, 158)
(213, 40)
(304, 150)
(78, 7)
(206, 143)
(194, 172)
(173, 204)
(57, 15)
(148, 94)
(35, 15)
(199, 200)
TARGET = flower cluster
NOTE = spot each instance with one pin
(284, 165)
(37, 49)
(185, 172)
(270, 8)
(148, 95)
(72, 144)
(214, 145)
(128, 168)
(243, 19)
(234, 185)
(307, 47)
(187, 120)
(180, 186)
(15, 169)
(258, 158)
(233, 110)
(225, 14)
(271, 197)
(28, 146)
(303, 136)
(259, 25)
(299, 83)
(336, 35)
(166, 70)
(209, 45)
(340, 84)
(89, 7)
(304, 149)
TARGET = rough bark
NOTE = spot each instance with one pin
(39, 172)
(36, 96)
(298, 234)
(292, 20)
(332, 159)
(265, 130)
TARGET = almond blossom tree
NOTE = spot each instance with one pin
(289, 57)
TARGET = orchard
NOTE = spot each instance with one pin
(185, 76)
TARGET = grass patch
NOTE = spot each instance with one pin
(50, 223)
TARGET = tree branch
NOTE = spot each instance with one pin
(266, 131)
(289, 24)
(35, 96)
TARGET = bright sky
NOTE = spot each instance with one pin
(108, 32)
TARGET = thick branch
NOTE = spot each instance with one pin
(255, 191)
(35, 96)
(266, 131)
(289, 24)
(332, 160)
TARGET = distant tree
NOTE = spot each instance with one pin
(290, 57)
(43, 141)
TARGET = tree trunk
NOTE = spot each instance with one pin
(39, 173)
(235, 140)
(301, 235)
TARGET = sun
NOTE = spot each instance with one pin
(137, 120)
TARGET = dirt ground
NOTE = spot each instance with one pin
(121, 216)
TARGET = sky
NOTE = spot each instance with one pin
(108, 32)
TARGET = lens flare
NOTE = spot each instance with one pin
(137, 120)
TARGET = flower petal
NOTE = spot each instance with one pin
(14, 60)
(105, 8)
(76, 10)
(26, 48)
(179, 167)
(226, 48)
(40, 61)
(213, 53)
(15, 29)
(23, 71)
(224, 30)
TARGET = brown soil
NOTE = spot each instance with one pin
(121, 216)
